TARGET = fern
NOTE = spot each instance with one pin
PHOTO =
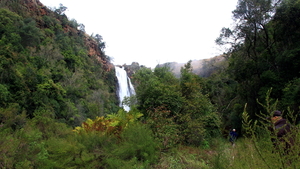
(112, 124)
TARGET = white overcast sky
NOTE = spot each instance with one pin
(153, 31)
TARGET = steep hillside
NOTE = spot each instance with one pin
(50, 66)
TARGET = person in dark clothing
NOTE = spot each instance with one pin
(233, 136)
(281, 128)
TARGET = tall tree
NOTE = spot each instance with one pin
(198, 118)
(158, 88)
(287, 26)
(253, 51)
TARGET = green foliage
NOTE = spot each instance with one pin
(263, 47)
(221, 89)
(271, 148)
(117, 141)
(291, 94)
(12, 118)
(25, 148)
(157, 88)
(176, 109)
(46, 66)
(137, 147)
(112, 124)
(30, 34)
(198, 119)
(245, 155)
(48, 83)
(184, 157)
(9, 24)
(4, 94)
(46, 79)
(193, 130)
(163, 125)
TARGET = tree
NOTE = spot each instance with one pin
(158, 88)
(61, 10)
(101, 44)
(82, 27)
(253, 51)
(198, 118)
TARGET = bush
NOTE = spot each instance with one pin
(165, 130)
(137, 147)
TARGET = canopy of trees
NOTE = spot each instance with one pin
(263, 53)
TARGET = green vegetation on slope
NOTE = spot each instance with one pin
(46, 69)
(59, 108)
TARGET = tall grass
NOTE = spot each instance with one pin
(245, 155)
(182, 157)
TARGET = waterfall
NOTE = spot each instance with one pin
(125, 88)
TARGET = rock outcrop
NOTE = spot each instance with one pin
(36, 7)
(95, 51)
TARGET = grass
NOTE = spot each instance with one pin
(183, 157)
(221, 155)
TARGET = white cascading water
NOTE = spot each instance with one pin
(125, 88)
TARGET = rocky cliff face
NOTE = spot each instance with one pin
(95, 51)
(36, 7)
(26, 8)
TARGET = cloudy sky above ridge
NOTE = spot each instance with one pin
(153, 31)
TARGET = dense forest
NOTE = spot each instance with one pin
(59, 107)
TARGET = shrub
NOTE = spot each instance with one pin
(165, 130)
(137, 147)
